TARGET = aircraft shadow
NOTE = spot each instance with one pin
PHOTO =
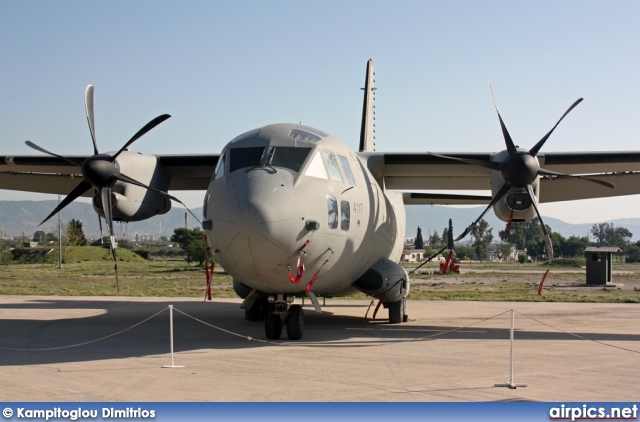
(41, 340)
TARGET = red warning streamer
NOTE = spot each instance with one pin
(508, 229)
(299, 265)
(384, 295)
(542, 282)
(313, 279)
(208, 272)
(446, 263)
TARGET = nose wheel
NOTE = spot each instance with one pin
(280, 314)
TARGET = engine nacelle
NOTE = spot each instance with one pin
(515, 199)
(134, 203)
(384, 278)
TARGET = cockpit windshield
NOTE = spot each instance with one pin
(285, 157)
(240, 158)
(289, 157)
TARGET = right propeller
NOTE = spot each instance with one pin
(520, 169)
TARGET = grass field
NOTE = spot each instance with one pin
(84, 275)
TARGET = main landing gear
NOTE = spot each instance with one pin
(280, 312)
(398, 311)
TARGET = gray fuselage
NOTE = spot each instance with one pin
(277, 188)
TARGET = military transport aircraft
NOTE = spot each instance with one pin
(291, 211)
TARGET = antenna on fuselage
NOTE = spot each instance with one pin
(367, 130)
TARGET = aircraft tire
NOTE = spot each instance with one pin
(295, 322)
(396, 311)
(272, 326)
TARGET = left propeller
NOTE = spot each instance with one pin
(520, 169)
(101, 171)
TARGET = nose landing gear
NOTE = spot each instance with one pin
(281, 312)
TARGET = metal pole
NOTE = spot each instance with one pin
(510, 347)
(171, 339)
(511, 384)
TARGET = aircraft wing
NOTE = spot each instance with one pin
(426, 172)
(48, 174)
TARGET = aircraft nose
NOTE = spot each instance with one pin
(253, 226)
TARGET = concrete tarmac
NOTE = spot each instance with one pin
(448, 351)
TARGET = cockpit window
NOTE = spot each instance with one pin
(289, 157)
(220, 167)
(316, 167)
(346, 170)
(313, 130)
(240, 158)
(334, 170)
(247, 135)
(302, 135)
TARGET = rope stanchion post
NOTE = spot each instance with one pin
(171, 339)
(511, 384)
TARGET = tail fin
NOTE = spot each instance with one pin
(367, 130)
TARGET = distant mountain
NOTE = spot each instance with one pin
(18, 217)
(436, 217)
(22, 217)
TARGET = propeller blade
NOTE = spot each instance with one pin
(495, 199)
(127, 179)
(577, 176)
(488, 164)
(88, 108)
(547, 240)
(534, 151)
(75, 193)
(105, 195)
(40, 149)
(511, 148)
(146, 128)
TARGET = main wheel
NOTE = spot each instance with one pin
(295, 322)
(272, 325)
(396, 311)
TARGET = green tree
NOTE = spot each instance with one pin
(504, 251)
(463, 252)
(633, 252)
(39, 236)
(419, 243)
(435, 239)
(528, 235)
(450, 235)
(605, 234)
(75, 234)
(6, 257)
(574, 246)
(482, 235)
(192, 242)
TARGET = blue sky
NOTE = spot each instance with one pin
(221, 68)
